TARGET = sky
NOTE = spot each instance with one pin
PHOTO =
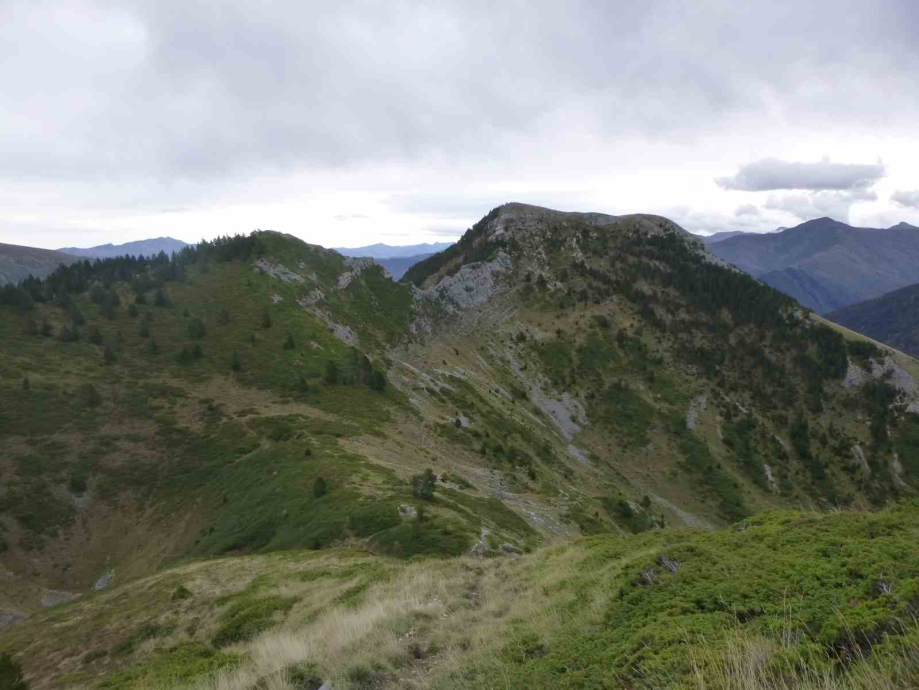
(348, 123)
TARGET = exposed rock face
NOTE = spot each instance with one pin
(473, 284)
(53, 597)
(104, 581)
(696, 407)
(355, 268)
(279, 271)
(7, 618)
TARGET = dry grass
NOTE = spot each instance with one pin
(748, 663)
(420, 629)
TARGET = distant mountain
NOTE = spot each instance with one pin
(17, 263)
(149, 247)
(727, 234)
(398, 265)
(719, 236)
(892, 319)
(387, 251)
(827, 265)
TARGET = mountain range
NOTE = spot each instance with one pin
(569, 450)
(387, 251)
(826, 264)
(17, 262)
(892, 319)
(150, 247)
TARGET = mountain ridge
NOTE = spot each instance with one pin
(827, 264)
(148, 247)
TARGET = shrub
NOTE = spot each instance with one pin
(153, 348)
(108, 355)
(331, 373)
(132, 310)
(159, 299)
(196, 329)
(320, 488)
(25, 384)
(289, 343)
(88, 395)
(11, 674)
(144, 331)
(377, 380)
(423, 484)
(266, 319)
(181, 592)
(235, 364)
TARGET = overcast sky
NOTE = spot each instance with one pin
(348, 123)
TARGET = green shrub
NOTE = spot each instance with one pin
(247, 618)
(423, 484)
(11, 674)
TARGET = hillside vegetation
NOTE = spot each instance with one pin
(548, 377)
(786, 599)
(892, 319)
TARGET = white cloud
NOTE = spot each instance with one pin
(908, 199)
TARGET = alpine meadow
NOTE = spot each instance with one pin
(572, 450)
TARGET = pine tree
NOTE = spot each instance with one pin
(25, 384)
(132, 310)
(320, 488)
(144, 329)
(289, 343)
(377, 380)
(235, 364)
(95, 336)
(152, 348)
(159, 299)
(108, 355)
(423, 484)
(266, 319)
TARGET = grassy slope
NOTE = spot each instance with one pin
(804, 590)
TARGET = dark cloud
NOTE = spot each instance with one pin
(168, 88)
(909, 199)
(772, 174)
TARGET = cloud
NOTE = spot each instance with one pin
(351, 216)
(834, 204)
(770, 174)
(746, 210)
(129, 107)
(908, 199)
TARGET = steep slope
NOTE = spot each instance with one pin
(561, 374)
(892, 319)
(148, 248)
(827, 265)
(18, 263)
